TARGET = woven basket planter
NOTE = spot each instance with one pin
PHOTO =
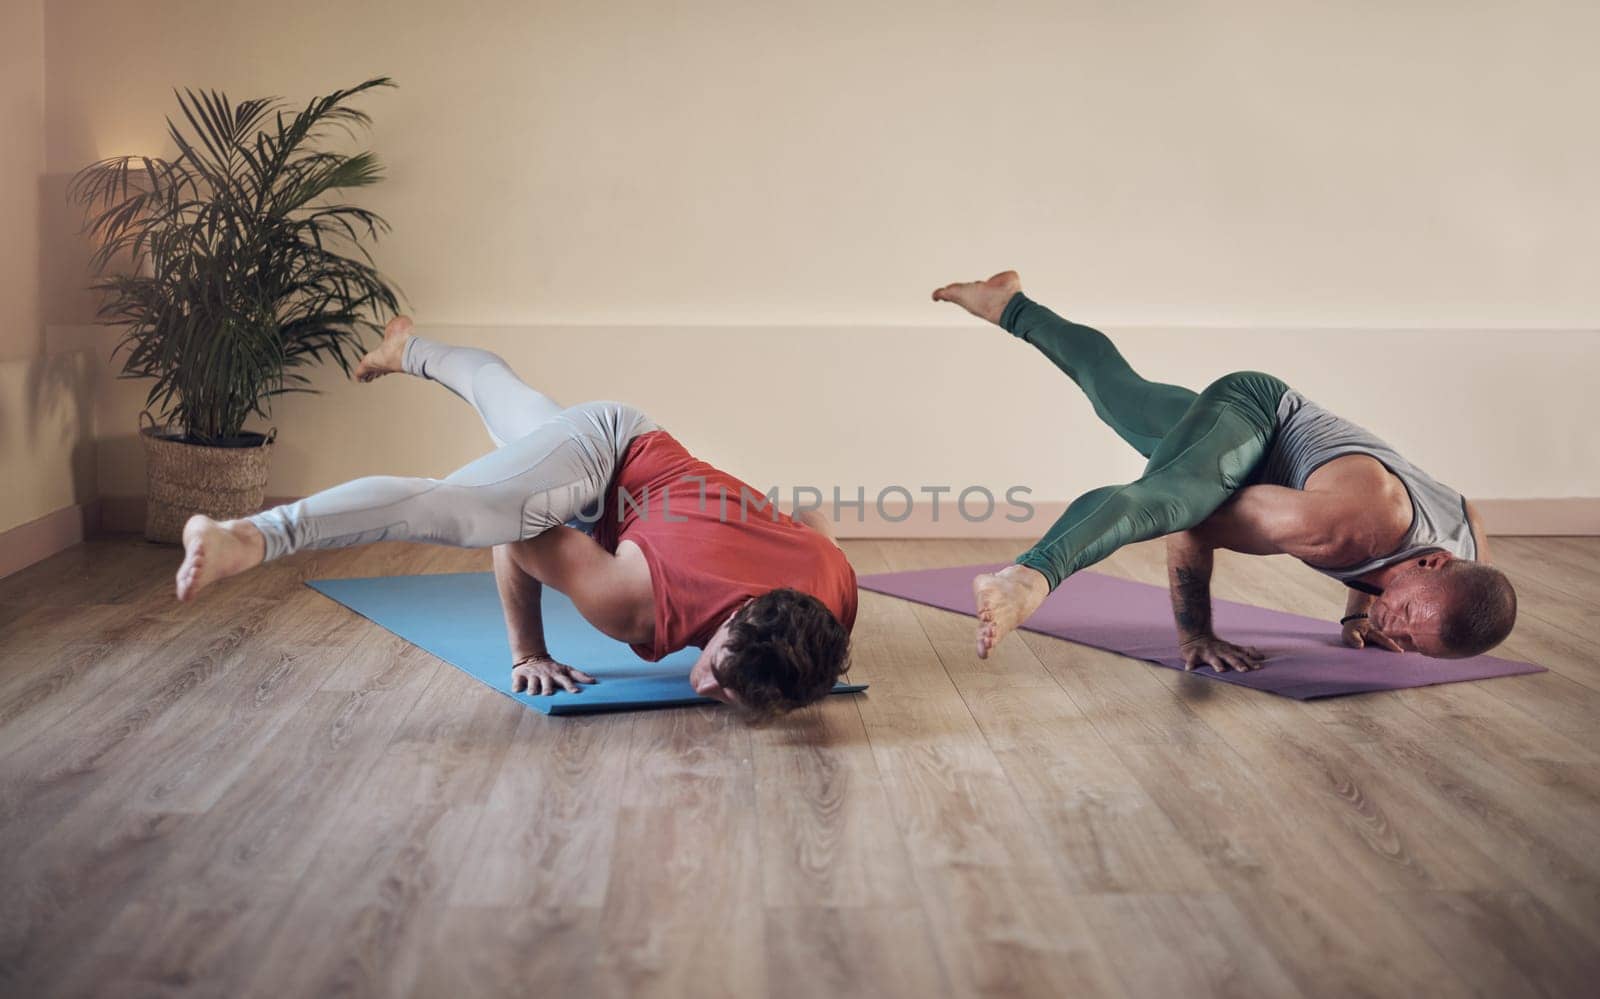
(186, 479)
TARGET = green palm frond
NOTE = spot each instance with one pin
(244, 269)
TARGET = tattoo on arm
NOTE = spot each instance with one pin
(1191, 601)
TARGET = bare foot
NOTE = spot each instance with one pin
(387, 357)
(214, 550)
(1006, 599)
(984, 299)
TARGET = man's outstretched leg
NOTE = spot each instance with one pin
(545, 477)
(509, 407)
(1141, 412)
(1201, 449)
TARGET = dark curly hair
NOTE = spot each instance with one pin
(785, 649)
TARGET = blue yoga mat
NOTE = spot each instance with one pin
(456, 616)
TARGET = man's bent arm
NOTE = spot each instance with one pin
(612, 592)
(1274, 520)
(519, 601)
(1189, 561)
(1478, 535)
(1357, 603)
(1189, 564)
(532, 669)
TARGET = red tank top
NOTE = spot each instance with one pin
(707, 555)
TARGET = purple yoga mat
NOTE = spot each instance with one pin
(1305, 658)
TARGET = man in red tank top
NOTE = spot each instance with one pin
(684, 554)
(676, 554)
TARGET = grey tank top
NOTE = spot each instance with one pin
(1308, 437)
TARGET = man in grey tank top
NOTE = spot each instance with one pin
(1250, 465)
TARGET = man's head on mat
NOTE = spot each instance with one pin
(780, 651)
(1446, 607)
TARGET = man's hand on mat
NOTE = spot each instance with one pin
(1360, 633)
(542, 675)
(1221, 656)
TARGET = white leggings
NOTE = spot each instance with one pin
(550, 466)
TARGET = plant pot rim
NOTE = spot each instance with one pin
(248, 440)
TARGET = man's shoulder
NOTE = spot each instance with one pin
(1364, 483)
(1372, 513)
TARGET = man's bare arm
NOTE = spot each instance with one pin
(1275, 520)
(1321, 529)
(1357, 603)
(1478, 535)
(1355, 628)
(1189, 563)
(532, 668)
(611, 591)
(1189, 566)
(519, 602)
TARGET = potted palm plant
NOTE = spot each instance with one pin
(237, 268)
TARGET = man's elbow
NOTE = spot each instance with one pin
(1194, 539)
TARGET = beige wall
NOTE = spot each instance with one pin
(46, 459)
(716, 207)
(877, 406)
(21, 171)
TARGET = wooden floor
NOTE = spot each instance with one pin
(263, 794)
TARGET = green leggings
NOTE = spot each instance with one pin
(1201, 448)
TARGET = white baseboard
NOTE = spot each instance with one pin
(39, 539)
